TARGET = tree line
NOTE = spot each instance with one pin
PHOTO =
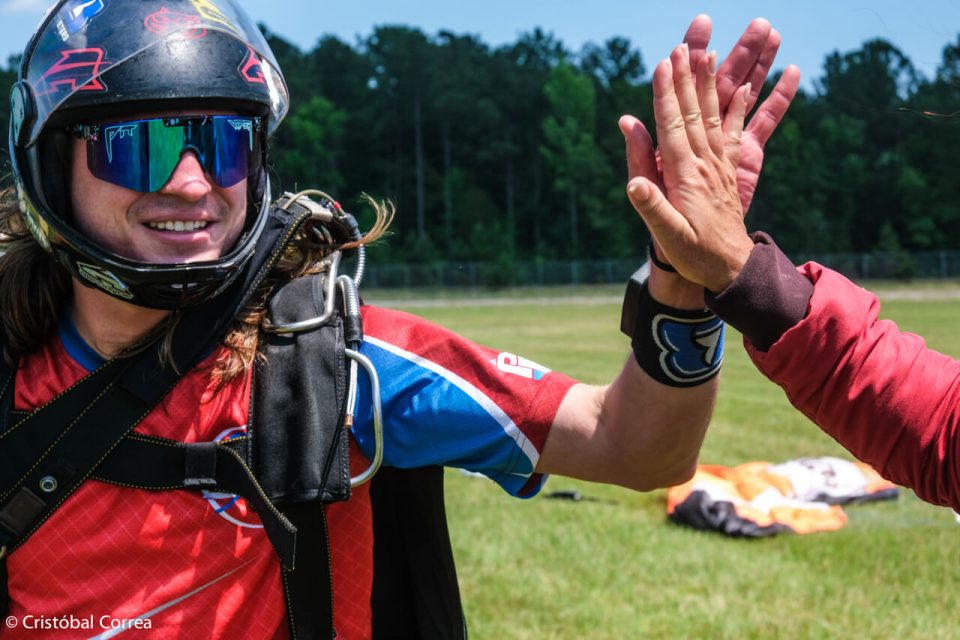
(513, 152)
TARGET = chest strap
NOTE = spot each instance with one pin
(158, 464)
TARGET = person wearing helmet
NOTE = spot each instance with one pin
(139, 134)
(89, 74)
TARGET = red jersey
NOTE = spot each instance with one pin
(175, 564)
(181, 560)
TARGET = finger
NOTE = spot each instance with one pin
(661, 218)
(739, 63)
(671, 130)
(768, 116)
(761, 70)
(733, 124)
(697, 38)
(688, 101)
(641, 159)
(709, 105)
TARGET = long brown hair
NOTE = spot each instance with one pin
(35, 290)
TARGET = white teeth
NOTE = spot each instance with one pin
(178, 225)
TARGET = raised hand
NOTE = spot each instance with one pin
(699, 223)
(748, 62)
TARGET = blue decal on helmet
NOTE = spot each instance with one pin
(75, 16)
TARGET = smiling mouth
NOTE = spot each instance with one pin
(178, 225)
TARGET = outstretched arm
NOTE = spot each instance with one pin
(639, 432)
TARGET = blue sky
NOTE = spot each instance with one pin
(810, 28)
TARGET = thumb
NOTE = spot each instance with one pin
(657, 212)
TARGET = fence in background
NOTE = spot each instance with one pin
(468, 275)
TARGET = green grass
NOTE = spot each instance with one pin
(616, 568)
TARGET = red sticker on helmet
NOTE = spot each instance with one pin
(165, 21)
(252, 71)
(76, 70)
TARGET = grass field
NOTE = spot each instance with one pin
(616, 568)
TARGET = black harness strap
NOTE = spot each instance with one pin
(157, 464)
(143, 462)
(309, 587)
(37, 486)
(7, 375)
(299, 448)
(299, 401)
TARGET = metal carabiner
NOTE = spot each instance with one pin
(329, 301)
(357, 357)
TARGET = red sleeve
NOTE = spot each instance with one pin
(878, 391)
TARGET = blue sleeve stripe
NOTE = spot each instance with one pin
(476, 395)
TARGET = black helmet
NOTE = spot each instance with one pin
(96, 58)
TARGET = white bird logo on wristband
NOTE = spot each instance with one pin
(691, 350)
(710, 340)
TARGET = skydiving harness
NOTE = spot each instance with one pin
(293, 459)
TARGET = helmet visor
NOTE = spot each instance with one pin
(142, 154)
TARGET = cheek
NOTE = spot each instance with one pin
(79, 175)
(95, 203)
(83, 196)
(235, 198)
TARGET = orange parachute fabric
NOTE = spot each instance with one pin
(757, 499)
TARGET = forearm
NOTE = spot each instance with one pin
(636, 432)
(878, 391)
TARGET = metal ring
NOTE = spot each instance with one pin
(371, 370)
(48, 484)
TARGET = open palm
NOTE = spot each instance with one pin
(749, 61)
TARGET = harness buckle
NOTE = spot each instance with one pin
(200, 465)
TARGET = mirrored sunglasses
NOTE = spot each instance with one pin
(142, 154)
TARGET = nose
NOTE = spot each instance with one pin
(188, 180)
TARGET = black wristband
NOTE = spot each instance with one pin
(652, 255)
(676, 347)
